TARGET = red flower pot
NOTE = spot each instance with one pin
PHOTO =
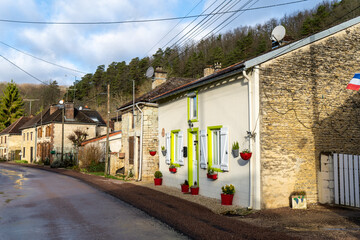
(184, 188)
(212, 176)
(226, 199)
(152, 153)
(245, 156)
(157, 181)
(194, 191)
(173, 170)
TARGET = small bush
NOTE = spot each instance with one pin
(158, 174)
(47, 161)
(90, 154)
(56, 164)
(21, 161)
(96, 167)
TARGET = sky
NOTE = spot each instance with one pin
(81, 48)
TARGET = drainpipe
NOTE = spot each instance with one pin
(251, 167)
(141, 141)
(257, 162)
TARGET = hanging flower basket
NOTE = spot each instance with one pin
(163, 152)
(152, 152)
(245, 155)
(212, 176)
(227, 199)
(173, 170)
(157, 181)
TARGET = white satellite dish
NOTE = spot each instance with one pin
(278, 33)
(149, 72)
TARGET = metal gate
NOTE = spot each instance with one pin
(346, 179)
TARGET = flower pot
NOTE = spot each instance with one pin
(235, 153)
(194, 190)
(226, 199)
(245, 156)
(184, 188)
(212, 176)
(173, 170)
(121, 155)
(152, 153)
(163, 152)
(298, 202)
(157, 181)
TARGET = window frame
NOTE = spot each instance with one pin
(210, 146)
(176, 147)
(190, 108)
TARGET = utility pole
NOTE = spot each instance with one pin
(62, 132)
(133, 106)
(107, 162)
(30, 100)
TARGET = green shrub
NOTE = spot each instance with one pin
(96, 167)
(21, 161)
(158, 174)
(228, 189)
(56, 164)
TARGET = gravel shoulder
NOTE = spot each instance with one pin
(205, 218)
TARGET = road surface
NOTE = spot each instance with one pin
(37, 204)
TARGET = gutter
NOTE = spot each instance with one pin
(143, 103)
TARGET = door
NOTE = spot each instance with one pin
(193, 156)
(131, 150)
(31, 154)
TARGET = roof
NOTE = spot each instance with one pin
(99, 138)
(243, 65)
(165, 87)
(14, 128)
(84, 116)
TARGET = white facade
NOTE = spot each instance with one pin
(224, 105)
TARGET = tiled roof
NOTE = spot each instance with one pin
(171, 83)
(15, 127)
(99, 138)
(84, 116)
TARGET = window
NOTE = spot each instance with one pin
(5, 139)
(27, 136)
(1, 139)
(217, 148)
(31, 136)
(176, 151)
(47, 131)
(39, 132)
(193, 106)
(23, 152)
(24, 137)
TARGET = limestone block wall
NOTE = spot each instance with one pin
(305, 110)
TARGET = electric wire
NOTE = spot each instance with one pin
(141, 20)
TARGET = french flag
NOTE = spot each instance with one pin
(354, 84)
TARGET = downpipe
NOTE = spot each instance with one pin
(141, 142)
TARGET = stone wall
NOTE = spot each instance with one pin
(305, 110)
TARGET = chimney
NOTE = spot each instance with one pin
(69, 110)
(53, 108)
(208, 71)
(159, 77)
(217, 67)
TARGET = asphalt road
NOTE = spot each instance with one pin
(37, 204)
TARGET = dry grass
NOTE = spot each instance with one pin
(91, 153)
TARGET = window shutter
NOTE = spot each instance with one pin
(224, 138)
(203, 149)
(180, 148)
(167, 147)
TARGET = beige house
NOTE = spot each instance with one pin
(42, 135)
(287, 107)
(10, 140)
(139, 128)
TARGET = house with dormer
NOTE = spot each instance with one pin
(45, 136)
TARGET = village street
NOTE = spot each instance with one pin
(36, 204)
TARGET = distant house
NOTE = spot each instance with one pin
(139, 127)
(10, 140)
(42, 135)
(286, 106)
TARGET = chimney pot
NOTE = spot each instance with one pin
(160, 77)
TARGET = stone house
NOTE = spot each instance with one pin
(42, 135)
(10, 140)
(139, 128)
(287, 106)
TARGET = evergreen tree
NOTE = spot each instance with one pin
(11, 105)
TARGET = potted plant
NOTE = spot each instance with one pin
(235, 149)
(185, 187)
(211, 174)
(227, 194)
(163, 151)
(158, 178)
(194, 189)
(172, 168)
(245, 154)
(298, 200)
(152, 152)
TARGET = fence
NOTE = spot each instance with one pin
(346, 179)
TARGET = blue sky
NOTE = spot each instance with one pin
(84, 47)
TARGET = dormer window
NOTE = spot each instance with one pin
(193, 106)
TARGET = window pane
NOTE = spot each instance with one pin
(194, 113)
(215, 147)
(176, 146)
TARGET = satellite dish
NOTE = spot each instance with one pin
(149, 72)
(278, 33)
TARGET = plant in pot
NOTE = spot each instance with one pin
(227, 194)
(211, 174)
(245, 154)
(298, 200)
(172, 168)
(185, 187)
(235, 149)
(163, 151)
(152, 152)
(194, 189)
(158, 178)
